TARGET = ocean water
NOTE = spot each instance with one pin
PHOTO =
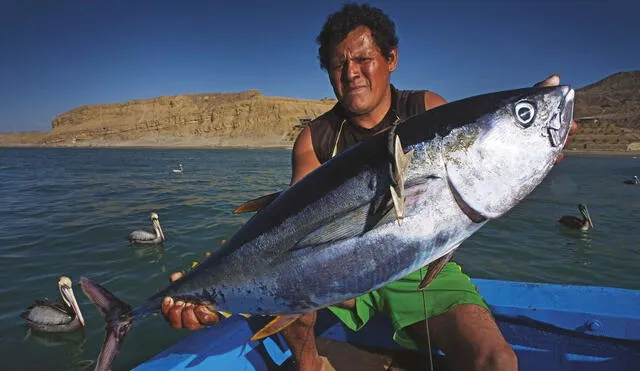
(68, 211)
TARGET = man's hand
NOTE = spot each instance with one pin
(187, 315)
(554, 80)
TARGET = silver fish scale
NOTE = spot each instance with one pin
(490, 163)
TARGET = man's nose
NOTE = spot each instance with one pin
(352, 70)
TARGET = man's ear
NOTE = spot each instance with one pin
(392, 61)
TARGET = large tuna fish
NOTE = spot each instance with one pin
(373, 214)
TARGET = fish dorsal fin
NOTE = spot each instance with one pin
(434, 268)
(398, 176)
(275, 326)
(256, 204)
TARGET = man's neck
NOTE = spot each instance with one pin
(373, 118)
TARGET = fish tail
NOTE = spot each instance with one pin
(118, 317)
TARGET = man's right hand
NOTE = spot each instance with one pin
(192, 316)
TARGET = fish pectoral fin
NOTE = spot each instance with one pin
(398, 203)
(398, 170)
(275, 326)
(256, 204)
(433, 269)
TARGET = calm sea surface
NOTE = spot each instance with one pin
(68, 211)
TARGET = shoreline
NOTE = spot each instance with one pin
(192, 142)
(569, 153)
(168, 143)
(250, 145)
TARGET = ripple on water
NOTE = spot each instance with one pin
(69, 212)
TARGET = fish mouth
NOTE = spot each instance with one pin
(474, 215)
(560, 123)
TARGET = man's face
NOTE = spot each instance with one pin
(359, 73)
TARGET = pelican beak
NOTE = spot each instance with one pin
(67, 295)
(585, 213)
(156, 224)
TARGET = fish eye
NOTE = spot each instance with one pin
(525, 112)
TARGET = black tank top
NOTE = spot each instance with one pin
(332, 132)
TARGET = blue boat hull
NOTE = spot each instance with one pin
(551, 327)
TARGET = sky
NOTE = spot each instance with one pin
(56, 55)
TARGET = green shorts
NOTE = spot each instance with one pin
(404, 304)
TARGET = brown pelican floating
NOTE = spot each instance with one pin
(50, 316)
(635, 180)
(576, 223)
(154, 235)
(178, 170)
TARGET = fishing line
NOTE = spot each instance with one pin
(426, 322)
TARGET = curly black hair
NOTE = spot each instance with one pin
(348, 18)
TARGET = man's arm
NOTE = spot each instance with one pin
(303, 157)
(433, 100)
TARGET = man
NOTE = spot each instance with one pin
(359, 51)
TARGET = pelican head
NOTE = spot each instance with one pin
(64, 285)
(155, 220)
(585, 214)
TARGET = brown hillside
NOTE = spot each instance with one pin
(608, 112)
(200, 118)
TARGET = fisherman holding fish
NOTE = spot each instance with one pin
(359, 51)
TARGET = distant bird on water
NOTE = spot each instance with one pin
(178, 170)
(576, 223)
(50, 316)
(635, 180)
(148, 236)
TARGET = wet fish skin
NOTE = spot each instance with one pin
(334, 235)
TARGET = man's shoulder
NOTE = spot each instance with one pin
(416, 101)
(325, 119)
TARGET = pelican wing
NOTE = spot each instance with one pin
(48, 313)
(571, 221)
(143, 235)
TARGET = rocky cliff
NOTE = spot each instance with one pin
(608, 112)
(244, 116)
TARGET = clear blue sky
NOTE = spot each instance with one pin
(59, 54)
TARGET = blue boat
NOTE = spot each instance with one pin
(550, 327)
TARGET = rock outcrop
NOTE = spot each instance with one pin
(249, 115)
(608, 112)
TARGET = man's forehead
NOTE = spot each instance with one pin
(359, 40)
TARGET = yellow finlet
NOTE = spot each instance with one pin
(225, 314)
(275, 326)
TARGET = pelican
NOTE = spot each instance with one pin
(576, 223)
(635, 180)
(50, 316)
(149, 236)
(178, 170)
